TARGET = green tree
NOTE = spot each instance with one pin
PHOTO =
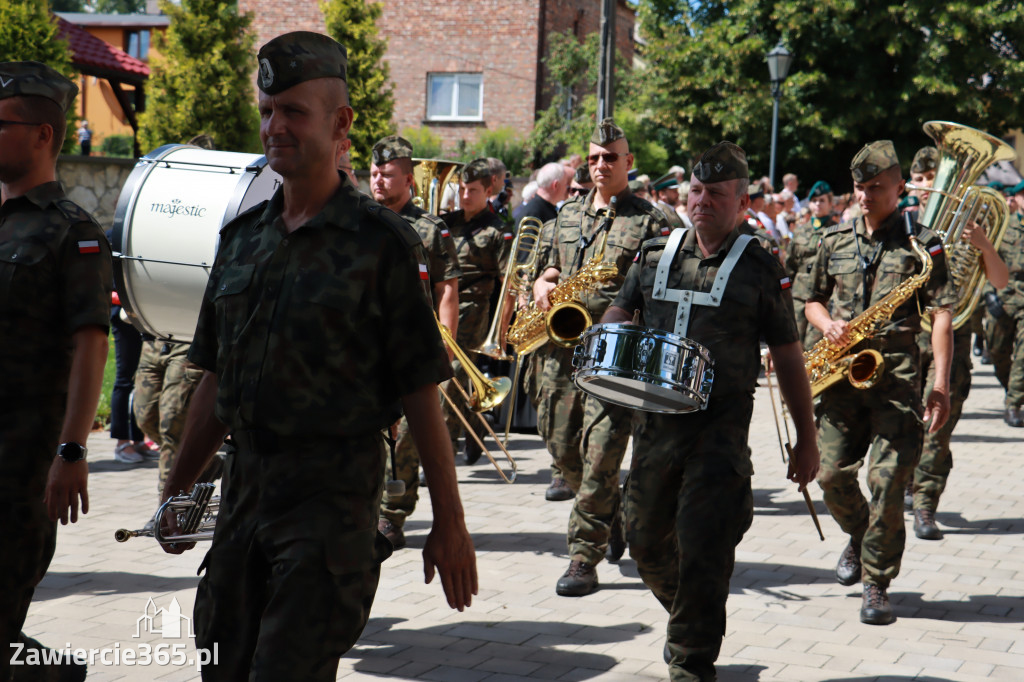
(29, 32)
(864, 70)
(353, 23)
(119, 6)
(202, 79)
(67, 5)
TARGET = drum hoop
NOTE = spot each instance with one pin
(621, 374)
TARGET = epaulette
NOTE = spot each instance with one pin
(835, 229)
(647, 207)
(398, 225)
(73, 212)
(655, 243)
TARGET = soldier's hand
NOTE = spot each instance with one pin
(803, 462)
(541, 289)
(66, 483)
(449, 549)
(838, 332)
(169, 527)
(936, 410)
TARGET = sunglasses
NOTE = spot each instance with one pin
(608, 157)
(578, 190)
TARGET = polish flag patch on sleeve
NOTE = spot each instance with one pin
(665, 231)
(423, 272)
(508, 236)
(89, 246)
(935, 250)
(785, 283)
(445, 233)
(636, 257)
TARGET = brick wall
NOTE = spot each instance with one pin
(274, 17)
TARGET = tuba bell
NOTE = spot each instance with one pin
(956, 202)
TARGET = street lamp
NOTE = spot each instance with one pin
(779, 60)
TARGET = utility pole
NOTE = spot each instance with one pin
(606, 74)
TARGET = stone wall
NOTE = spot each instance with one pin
(94, 183)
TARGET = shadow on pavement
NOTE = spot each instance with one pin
(57, 584)
(979, 608)
(953, 523)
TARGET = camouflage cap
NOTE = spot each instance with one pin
(724, 161)
(926, 159)
(36, 79)
(607, 132)
(872, 159)
(477, 169)
(390, 148)
(819, 188)
(300, 56)
(582, 175)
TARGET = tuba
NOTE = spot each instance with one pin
(429, 178)
(956, 202)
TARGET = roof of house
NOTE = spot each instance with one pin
(90, 52)
(121, 20)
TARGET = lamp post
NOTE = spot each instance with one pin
(779, 60)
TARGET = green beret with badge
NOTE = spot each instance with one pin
(818, 189)
(607, 132)
(724, 161)
(300, 56)
(34, 79)
(390, 148)
(926, 159)
(872, 159)
(477, 169)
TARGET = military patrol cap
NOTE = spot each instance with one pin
(755, 191)
(477, 169)
(872, 159)
(390, 148)
(582, 175)
(19, 79)
(607, 132)
(300, 56)
(666, 181)
(724, 161)
(819, 188)
(926, 159)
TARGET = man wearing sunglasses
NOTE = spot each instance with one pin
(55, 283)
(587, 438)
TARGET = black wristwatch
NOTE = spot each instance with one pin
(72, 452)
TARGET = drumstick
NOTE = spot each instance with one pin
(636, 317)
(807, 499)
(775, 411)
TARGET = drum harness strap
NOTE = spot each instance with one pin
(684, 297)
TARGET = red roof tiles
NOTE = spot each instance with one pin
(88, 50)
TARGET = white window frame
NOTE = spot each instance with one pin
(457, 77)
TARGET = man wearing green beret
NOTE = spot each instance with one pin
(857, 265)
(391, 183)
(315, 332)
(587, 438)
(800, 255)
(54, 319)
(688, 497)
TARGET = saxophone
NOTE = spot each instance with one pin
(827, 362)
(568, 318)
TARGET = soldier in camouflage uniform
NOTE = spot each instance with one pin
(666, 194)
(482, 244)
(932, 471)
(391, 182)
(800, 256)
(858, 263)
(164, 383)
(688, 495)
(1005, 322)
(587, 439)
(55, 284)
(315, 328)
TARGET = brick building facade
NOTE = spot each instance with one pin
(461, 67)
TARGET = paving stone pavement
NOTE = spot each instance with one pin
(959, 601)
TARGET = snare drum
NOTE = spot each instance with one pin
(167, 228)
(643, 368)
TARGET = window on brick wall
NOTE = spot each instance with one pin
(455, 97)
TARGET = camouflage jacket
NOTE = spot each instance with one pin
(578, 224)
(482, 246)
(1011, 250)
(763, 237)
(671, 217)
(442, 261)
(800, 253)
(756, 305)
(55, 277)
(318, 332)
(853, 271)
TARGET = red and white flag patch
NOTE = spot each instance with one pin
(785, 283)
(508, 236)
(935, 250)
(423, 272)
(445, 233)
(665, 231)
(636, 257)
(89, 246)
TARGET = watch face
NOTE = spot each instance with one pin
(71, 452)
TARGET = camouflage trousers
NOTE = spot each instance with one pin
(1005, 339)
(688, 502)
(29, 436)
(295, 560)
(164, 384)
(560, 416)
(932, 471)
(882, 424)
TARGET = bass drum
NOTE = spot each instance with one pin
(643, 369)
(167, 230)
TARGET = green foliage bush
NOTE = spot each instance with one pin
(503, 143)
(426, 144)
(117, 145)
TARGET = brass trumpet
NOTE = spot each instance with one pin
(196, 514)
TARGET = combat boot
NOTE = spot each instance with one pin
(876, 609)
(1013, 417)
(558, 491)
(908, 495)
(848, 568)
(924, 525)
(580, 579)
(394, 534)
(616, 539)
